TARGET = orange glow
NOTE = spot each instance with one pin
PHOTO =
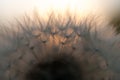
(79, 6)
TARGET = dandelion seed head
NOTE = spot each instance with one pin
(58, 49)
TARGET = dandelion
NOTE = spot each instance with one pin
(59, 49)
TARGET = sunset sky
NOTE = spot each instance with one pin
(12, 8)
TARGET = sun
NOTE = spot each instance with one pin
(83, 6)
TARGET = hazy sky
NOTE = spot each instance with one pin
(12, 8)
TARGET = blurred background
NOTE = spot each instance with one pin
(13, 8)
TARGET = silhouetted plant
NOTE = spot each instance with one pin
(59, 48)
